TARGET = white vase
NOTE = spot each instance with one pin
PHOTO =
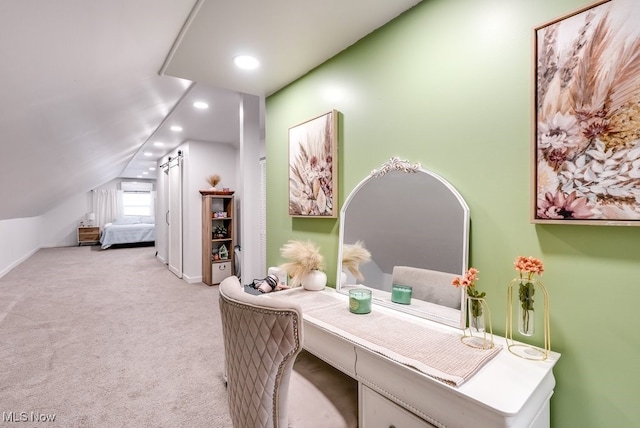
(315, 280)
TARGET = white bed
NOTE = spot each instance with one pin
(128, 230)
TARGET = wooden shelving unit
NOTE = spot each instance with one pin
(217, 235)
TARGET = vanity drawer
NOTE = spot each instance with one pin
(378, 412)
(334, 350)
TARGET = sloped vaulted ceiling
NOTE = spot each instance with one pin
(87, 85)
(80, 93)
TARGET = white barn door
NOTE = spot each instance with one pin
(174, 216)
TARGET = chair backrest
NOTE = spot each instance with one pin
(262, 336)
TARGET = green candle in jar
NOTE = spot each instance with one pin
(401, 294)
(360, 301)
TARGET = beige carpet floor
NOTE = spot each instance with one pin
(108, 338)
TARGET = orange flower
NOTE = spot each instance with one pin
(468, 282)
(528, 265)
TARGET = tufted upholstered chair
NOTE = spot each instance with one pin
(271, 381)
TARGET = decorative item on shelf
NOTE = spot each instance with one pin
(359, 301)
(213, 181)
(479, 330)
(526, 300)
(305, 264)
(220, 232)
(223, 252)
(352, 256)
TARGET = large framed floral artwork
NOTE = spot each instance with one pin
(587, 116)
(313, 174)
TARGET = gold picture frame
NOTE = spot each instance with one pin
(586, 160)
(313, 172)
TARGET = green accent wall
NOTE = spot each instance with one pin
(449, 84)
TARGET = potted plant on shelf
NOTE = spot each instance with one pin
(220, 231)
(305, 264)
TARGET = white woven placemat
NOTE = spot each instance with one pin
(438, 354)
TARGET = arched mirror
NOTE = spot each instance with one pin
(416, 227)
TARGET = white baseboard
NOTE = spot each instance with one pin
(191, 279)
(8, 269)
(58, 245)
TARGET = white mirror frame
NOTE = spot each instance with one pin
(427, 310)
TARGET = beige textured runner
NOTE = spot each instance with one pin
(438, 354)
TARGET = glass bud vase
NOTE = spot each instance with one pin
(525, 293)
(475, 314)
(526, 313)
(479, 332)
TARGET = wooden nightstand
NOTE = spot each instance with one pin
(88, 235)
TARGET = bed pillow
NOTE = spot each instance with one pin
(127, 220)
(147, 219)
(134, 219)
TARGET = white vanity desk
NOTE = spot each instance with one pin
(507, 391)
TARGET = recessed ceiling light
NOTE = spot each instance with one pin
(200, 105)
(176, 128)
(148, 154)
(138, 176)
(158, 144)
(151, 168)
(145, 173)
(246, 62)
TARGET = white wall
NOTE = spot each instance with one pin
(60, 224)
(19, 239)
(252, 148)
(201, 160)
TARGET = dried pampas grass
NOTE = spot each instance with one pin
(213, 180)
(303, 257)
(352, 256)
